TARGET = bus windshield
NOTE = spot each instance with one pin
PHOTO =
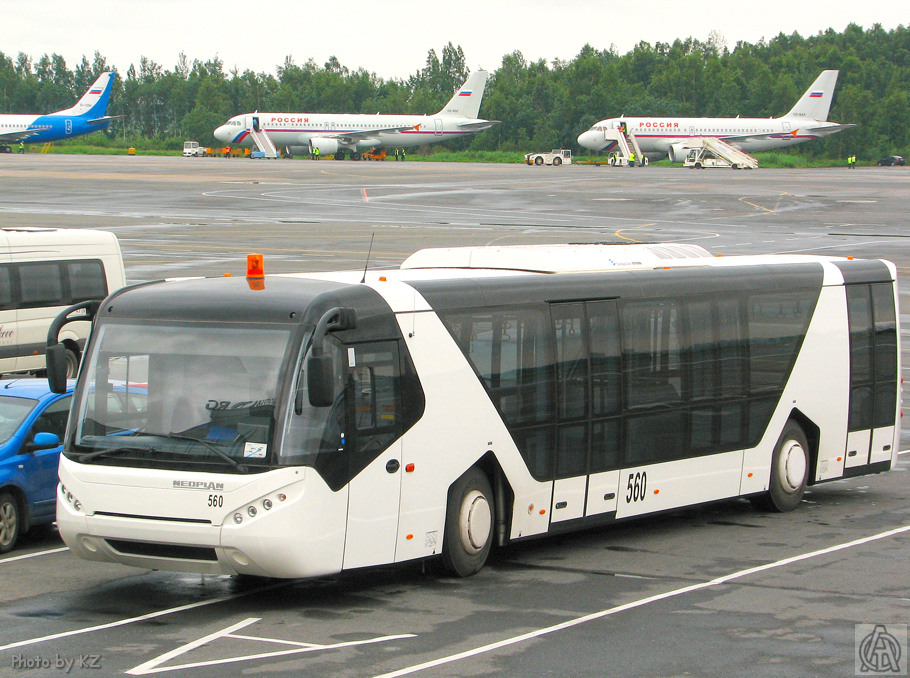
(177, 396)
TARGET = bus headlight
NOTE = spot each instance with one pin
(238, 518)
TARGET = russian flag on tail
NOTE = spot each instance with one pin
(815, 95)
(464, 93)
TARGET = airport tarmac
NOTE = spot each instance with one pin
(722, 589)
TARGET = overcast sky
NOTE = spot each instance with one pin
(392, 38)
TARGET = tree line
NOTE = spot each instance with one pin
(541, 104)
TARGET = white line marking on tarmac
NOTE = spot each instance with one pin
(143, 617)
(34, 555)
(638, 603)
(154, 665)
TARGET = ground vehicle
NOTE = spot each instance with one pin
(192, 149)
(572, 385)
(890, 160)
(558, 156)
(32, 423)
(43, 270)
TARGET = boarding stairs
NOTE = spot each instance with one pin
(626, 143)
(714, 152)
(263, 142)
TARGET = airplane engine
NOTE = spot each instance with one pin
(325, 145)
(678, 152)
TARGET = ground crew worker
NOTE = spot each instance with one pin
(632, 159)
(397, 154)
(21, 146)
(315, 153)
(403, 154)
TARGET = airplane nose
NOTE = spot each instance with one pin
(586, 139)
(221, 133)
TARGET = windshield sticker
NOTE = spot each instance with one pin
(254, 450)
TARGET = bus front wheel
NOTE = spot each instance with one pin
(789, 470)
(469, 525)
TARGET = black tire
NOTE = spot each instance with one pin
(355, 156)
(698, 165)
(538, 160)
(789, 471)
(339, 156)
(10, 521)
(469, 525)
(557, 161)
(645, 161)
(72, 363)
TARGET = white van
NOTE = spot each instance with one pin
(42, 271)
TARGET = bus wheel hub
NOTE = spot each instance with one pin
(476, 521)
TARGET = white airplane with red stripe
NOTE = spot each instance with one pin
(672, 137)
(346, 134)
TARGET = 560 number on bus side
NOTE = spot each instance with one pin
(216, 500)
(635, 488)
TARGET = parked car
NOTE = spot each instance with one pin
(891, 160)
(32, 423)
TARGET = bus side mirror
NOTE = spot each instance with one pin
(56, 367)
(320, 380)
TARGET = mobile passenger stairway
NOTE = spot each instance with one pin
(263, 142)
(713, 152)
(626, 143)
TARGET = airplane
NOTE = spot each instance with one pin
(671, 137)
(345, 134)
(87, 116)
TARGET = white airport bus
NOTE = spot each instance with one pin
(294, 426)
(43, 271)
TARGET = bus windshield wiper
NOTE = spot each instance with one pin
(88, 456)
(206, 444)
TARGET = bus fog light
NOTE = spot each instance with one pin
(238, 518)
(282, 497)
(266, 504)
(251, 510)
(89, 545)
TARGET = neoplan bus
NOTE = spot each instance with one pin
(302, 425)
(43, 271)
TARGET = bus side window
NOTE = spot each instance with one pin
(41, 285)
(86, 280)
(6, 288)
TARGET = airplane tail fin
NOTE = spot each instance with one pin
(816, 101)
(466, 102)
(93, 103)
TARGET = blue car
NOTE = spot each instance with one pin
(32, 423)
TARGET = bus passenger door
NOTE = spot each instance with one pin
(873, 374)
(374, 431)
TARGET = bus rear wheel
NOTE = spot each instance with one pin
(469, 525)
(789, 470)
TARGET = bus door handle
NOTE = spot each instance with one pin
(392, 465)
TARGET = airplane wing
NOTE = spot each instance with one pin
(478, 126)
(360, 135)
(824, 128)
(106, 118)
(831, 128)
(16, 136)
